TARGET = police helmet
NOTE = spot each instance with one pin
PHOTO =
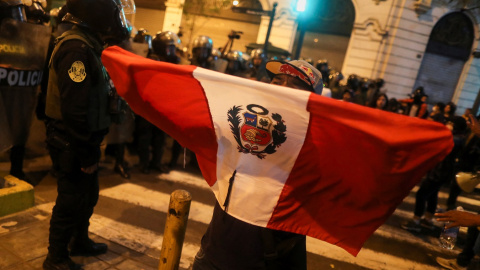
(309, 60)
(353, 81)
(13, 9)
(235, 56)
(216, 54)
(141, 36)
(322, 64)
(202, 42)
(106, 17)
(202, 48)
(257, 53)
(164, 43)
(36, 12)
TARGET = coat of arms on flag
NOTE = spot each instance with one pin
(257, 134)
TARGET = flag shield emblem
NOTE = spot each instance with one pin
(257, 132)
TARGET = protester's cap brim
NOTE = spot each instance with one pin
(273, 68)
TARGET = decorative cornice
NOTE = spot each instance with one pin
(422, 6)
(372, 28)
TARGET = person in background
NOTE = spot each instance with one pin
(466, 114)
(257, 69)
(380, 102)
(461, 218)
(201, 52)
(427, 195)
(449, 110)
(324, 68)
(235, 65)
(395, 106)
(347, 95)
(416, 105)
(437, 113)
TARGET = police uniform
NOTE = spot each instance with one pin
(77, 100)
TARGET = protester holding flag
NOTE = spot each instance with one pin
(272, 155)
(231, 243)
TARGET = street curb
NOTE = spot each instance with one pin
(16, 196)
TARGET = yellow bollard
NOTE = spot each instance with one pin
(175, 227)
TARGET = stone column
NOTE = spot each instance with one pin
(173, 15)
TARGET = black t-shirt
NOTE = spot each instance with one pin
(232, 244)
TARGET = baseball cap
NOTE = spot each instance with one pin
(297, 68)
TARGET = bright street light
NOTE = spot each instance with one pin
(235, 3)
(301, 5)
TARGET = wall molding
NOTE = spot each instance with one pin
(370, 27)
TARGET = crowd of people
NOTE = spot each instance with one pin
(78, 120)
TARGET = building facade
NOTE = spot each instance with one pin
(408, 43)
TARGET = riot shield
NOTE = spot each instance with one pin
(219, 65)
(5, 133)
(140, 49)
(23, 46)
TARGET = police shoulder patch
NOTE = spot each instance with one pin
(77, 72)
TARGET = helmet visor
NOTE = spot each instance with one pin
(128, 6)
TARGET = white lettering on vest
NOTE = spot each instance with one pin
(3, 74)
(34, 78)
(29, 74)
(12, 77)
(21, 82)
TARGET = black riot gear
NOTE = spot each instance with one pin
(142, 44)
(36, 12)
(201, 49)
(257, 57)
(235, 63)
(142, 37)
(164, 46)
(13, 9)
(105, 17)
(21, 66)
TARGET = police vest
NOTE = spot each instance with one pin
(98, 113)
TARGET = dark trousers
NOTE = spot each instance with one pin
(77, 196)
(149, 135)
(455, 191)
(17, 154)
(116, 150)
(468, 252)
(176, 148)
(427, 196)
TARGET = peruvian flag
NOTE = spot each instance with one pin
(286, 159)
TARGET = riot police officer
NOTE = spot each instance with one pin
(257, 70)
(322, 65)
(81, 102)
(201, 51)
(149, 136)
(164, 45)
(36, 12)
(143, 41)
(21, 66)
(236, 65)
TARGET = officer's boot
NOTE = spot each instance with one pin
(82, 245)
(60, 263)
(17, 154)
(121, 166)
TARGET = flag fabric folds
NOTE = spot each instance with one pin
(282, 158)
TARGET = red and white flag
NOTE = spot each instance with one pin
(299, 162)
